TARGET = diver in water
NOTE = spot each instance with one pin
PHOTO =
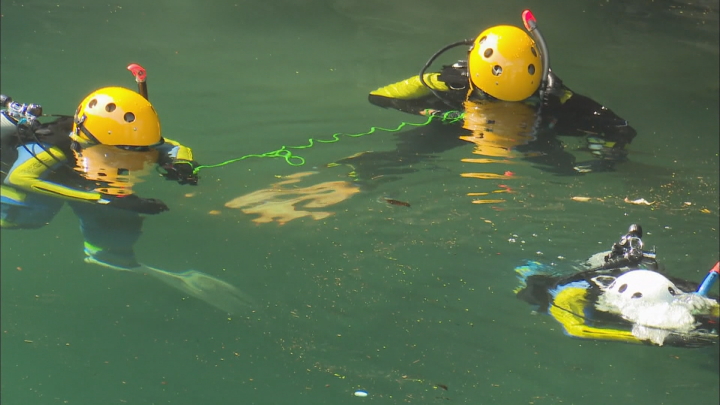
(509, 103)
(620, 295)
(91, 161)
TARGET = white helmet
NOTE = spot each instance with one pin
(652, 303)
(644, 286)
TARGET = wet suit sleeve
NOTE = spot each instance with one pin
(410, 95)
(172, 151)
(29, 174)
(577, 115)
(568, 308)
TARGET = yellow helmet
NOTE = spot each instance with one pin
(505, 63)
(117, 116)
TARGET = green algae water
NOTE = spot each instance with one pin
(412, 303)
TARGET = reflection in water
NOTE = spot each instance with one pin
(504, 134)
(115, 170)
(283, 204)
(497, 129)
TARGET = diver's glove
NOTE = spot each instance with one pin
(607, 149)
(608, 154)
(455, 76)
(596, 165)
(150, 206)
(182, 171)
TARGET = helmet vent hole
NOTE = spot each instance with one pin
(531, 69)
(497, 70)
(622, 288)
(488, 53)
(92, 103)
(110, 107)
(129, 117)
(671, 291)
(534, 52)
(482, 40)
(636, 295)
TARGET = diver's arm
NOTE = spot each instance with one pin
(577, 115)
(410, 95)
(177, 160)
(568, 308)
(28, 173)
(173, 150)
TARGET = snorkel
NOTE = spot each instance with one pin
(140, 75)
(531, 25)
(709, 280)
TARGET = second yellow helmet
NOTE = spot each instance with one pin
(117, 116)
(505, 63)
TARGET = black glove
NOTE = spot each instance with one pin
(182, 171)
(455, 76)
(134, 203)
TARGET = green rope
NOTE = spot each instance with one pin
(449, 117)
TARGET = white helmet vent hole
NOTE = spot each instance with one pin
(110, 107)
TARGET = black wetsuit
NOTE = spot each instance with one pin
(528, 128)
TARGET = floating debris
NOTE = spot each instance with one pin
(639, 201)
(396, 202)
(488, 201)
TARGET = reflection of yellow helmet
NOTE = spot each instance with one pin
(115, 169)
(117, 116)
(498, 127)
(505, 63)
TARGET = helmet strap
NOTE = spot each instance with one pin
(80, 123)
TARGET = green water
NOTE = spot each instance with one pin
(385, 298)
